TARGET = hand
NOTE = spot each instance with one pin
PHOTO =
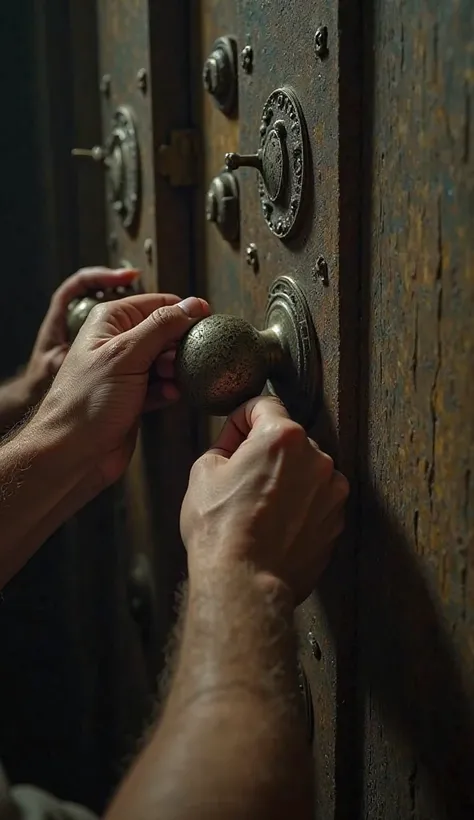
(266, 495)
(51, 343)
(104, 384)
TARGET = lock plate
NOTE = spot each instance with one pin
(284, 158)
(298, 380)
(122, 161)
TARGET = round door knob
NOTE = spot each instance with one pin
(219, 74)
(223, 360)
(222, 205)
(282, 160)
(79, 309)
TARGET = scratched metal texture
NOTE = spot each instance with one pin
(282, 37)
(416, 558)
(137, 34)
(218, 261)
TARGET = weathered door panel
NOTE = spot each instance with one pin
(416, 602)
(143, 50)
(281, 37)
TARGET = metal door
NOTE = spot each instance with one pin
(384, 256)
(310, 53)
(145, 151)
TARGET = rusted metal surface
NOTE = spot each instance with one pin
(416, 561)
(143, 57)
(282, 39)
(217, 259)
(277, 48)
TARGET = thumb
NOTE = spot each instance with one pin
(166, 326)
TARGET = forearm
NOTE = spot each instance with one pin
(41, 483)
(16, 398)
(231, 743)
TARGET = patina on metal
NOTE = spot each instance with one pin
(79, 309)
(120, 156)
(223, 360)
(222, 205)
(219, 74)
(281, 159)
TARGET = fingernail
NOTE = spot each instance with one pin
(192, 307)
(121, 271)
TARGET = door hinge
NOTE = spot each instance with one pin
(179, 161)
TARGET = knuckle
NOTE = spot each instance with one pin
(99, 313)
(285, 433)
(341, 487)
(163, 316)
(324, 465)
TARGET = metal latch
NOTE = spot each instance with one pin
(178, 161)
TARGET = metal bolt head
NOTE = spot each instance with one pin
(148, 249)
(211, 207)
(105, 84)
(251, 257)
(142, 80)
(246, 59)
(321, 42)
(322, 270)
(315, 647)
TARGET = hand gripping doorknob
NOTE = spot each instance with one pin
(223, 360)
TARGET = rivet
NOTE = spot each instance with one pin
(105, 85)
(315, 647)
(251, 257)
(148, 250)
(246, 59)
(321, 270)
(321, 42)
(142, 80)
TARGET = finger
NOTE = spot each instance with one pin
(243, 420)
(165, 326)
(165, 364)
(91, 279)
(121, 315)
(160, 395)
(57, 359)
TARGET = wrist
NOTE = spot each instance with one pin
(212, 575)
(53, 435)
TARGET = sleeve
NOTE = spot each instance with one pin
(30, 803)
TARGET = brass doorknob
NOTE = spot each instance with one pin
(223, 360)
(79, 309)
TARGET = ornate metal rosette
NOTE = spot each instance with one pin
(123, 163)
(284, 156)
(297, 380)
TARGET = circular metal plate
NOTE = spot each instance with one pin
(284, 153)
(297, 381)
(123, 163)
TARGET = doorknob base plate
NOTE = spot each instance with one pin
(297, 378)
(284, 156)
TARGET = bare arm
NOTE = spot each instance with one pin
(40, 484)
(231, 744)
(22, 393)
(16, 398)
(82, 436)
